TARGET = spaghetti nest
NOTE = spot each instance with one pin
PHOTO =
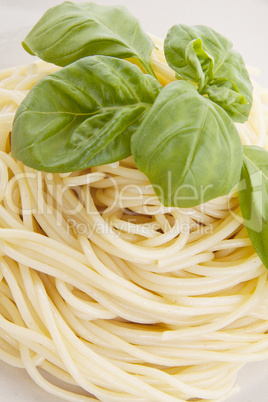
(103, 287)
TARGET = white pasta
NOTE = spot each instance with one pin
(108, 290)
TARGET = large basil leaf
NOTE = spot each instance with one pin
(218, 70)
(188, 147)
(253, 197)
(83, 115)
(70, 31)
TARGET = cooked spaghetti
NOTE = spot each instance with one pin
(113, 293)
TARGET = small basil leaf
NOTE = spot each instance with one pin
(188, 147)
(83, 115)
(70, 31)
(234, 70)
(253, 198)
(199, 61)
(210, 50)
(226, 94)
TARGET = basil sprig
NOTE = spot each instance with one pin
(253, 198)
(86, 113)
(202, 55)
(99, 108)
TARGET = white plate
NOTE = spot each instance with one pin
(243, 21)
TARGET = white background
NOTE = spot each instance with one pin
(245, 22)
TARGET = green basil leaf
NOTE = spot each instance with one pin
(188, 147)
(222, 75)
(195, 51)
(82, 115)
(253, 198)
(232, 88)
(199, 62)
(226, 94)
(70, 31)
